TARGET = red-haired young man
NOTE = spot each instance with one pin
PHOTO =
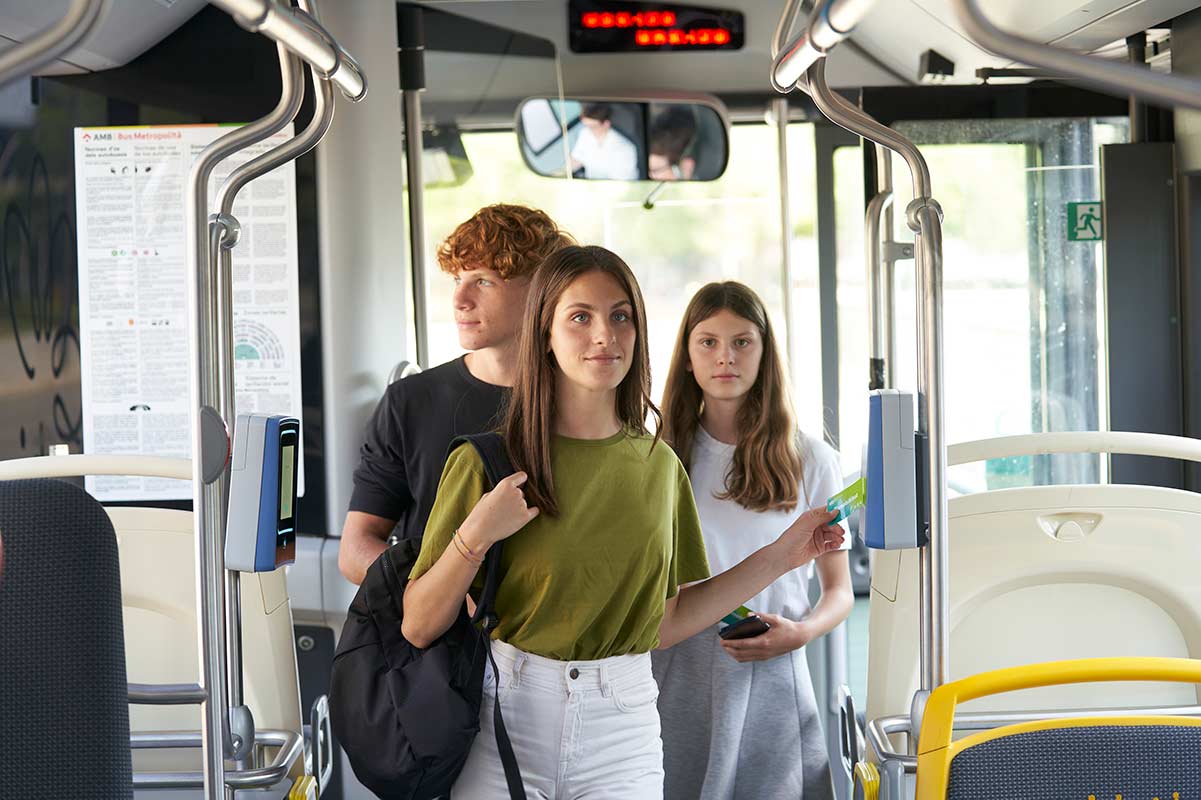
(491, 258)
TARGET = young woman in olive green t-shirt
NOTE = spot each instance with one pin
(609, 563)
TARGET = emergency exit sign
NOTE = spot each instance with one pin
(1084, 222)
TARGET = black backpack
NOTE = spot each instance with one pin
(407, 717)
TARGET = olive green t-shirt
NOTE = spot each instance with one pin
(591, 582)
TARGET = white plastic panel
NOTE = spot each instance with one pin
(158, 594)
(1048, 573)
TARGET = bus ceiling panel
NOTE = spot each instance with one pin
(898, 32)
(127, 29)
(1084, 25)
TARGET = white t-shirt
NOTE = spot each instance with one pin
(615, 158)
(732, 532)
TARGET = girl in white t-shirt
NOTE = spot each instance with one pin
(739, 716)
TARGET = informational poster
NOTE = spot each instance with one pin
(130, 185)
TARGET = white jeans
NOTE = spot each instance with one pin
(581, 730)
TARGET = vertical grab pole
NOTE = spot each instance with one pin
(924, 217)
(412, 82)
(779, 107)
(210, 437)
(879, 314)
(888, 317)
(225, 232)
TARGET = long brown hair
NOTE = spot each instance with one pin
(766, 470)
(530, 418)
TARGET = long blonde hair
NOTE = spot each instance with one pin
(530, 418)
(766, 472)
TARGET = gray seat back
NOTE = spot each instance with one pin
(64, 711)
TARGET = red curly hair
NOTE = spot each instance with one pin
(511, 239)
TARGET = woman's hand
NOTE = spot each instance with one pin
(784, 636)
(810, 536)
(497, 515)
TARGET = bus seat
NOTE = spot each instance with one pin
(159, 597)
(1043, 574)
(1136, 755)
(64, 724)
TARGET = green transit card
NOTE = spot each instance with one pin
(849, 500)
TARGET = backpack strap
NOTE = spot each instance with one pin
(497, 467)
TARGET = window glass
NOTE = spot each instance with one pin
(728, 229)
(1023, 318)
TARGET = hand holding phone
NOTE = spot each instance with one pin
(745, 628)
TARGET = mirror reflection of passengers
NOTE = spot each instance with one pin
(601, 151)
(672, 137)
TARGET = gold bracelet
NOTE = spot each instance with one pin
(463, 542)
(463, 552)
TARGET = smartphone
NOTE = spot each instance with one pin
(745, 628)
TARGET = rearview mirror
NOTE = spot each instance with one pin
(624, 139)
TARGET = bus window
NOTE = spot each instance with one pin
(1023, 315)
(727, 229)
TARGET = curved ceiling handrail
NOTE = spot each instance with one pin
(787, 19)
(842, 113)
(1111, 76)
(829, 23)
(302, 37)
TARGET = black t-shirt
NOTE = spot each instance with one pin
(406, 441)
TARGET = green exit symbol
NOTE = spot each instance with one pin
(1084, 222)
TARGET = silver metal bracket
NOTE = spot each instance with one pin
(916, 710)
(231, 229)
(897, 251)
(918, 204)
(214, 444)
(241, 732)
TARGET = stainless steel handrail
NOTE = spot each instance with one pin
(1111, 76)
(925, 218)
(829, 23)
(877, 302)
(293, 148)
(224, 236)
(936, 563)
(290, 744)
(48, 44)
(300, 36)
(204, 392)
(167, 694)
(879, 729)
(779, 107)
(842, 113)
(788, 17)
